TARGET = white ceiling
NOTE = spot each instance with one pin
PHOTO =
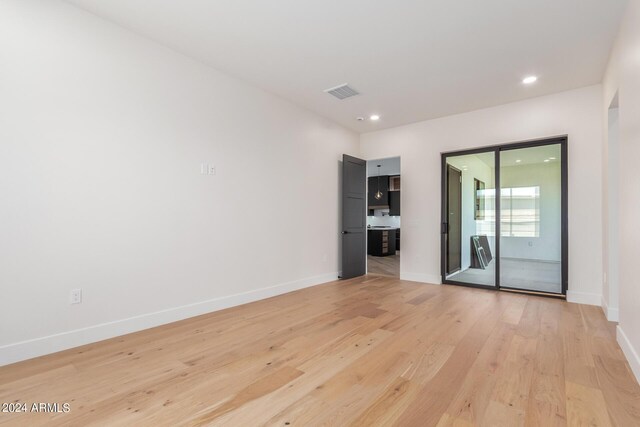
(531, 155)
(411, 60)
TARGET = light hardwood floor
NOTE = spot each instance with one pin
(384, 265)
(369, 351)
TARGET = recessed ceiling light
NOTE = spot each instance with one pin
(547, 160)
(529, 79)
(374, 117)
(552, 158)
(518, 161)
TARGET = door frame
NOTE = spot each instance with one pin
(562, 140)
(447, 209)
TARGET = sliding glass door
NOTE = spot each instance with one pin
(470, 219)
(517, 241)
(531, 218)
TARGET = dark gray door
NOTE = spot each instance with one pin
(454, 221)
(354, 219)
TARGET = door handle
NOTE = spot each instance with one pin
(445, 228)
(345, 232)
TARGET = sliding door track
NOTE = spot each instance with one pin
(538, 293)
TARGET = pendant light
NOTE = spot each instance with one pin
(378, 194)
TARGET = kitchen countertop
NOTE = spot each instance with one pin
(383, 228)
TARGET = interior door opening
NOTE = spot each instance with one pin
(513, 216)
(384, 189)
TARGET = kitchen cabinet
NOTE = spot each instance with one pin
(394, 203)
(394, 183)
(381, 242)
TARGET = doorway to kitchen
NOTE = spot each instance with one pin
(504, 217)
(384, 216)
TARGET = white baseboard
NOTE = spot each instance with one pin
(629, 351)
(610, 313)
(24, 350)
(423, 278)
(584, 298)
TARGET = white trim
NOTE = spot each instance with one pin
(584, 298)
(420, 277)
(629, 352)
(24, 350)
(613, 315)
(610, 313)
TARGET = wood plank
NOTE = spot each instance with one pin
(586, 406)
(253, 391)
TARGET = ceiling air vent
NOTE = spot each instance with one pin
(342, 91)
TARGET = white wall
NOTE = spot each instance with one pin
(610, 244)
(389, 166)
(102, 134)
(577, 113)
(623, 77)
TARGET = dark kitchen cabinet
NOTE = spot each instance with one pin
(381, 242)
(383, 202)
(394, 203)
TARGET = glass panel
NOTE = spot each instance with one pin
(530, 219)
(470, 200)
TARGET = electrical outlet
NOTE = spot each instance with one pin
(76, 296)
(207, 169)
